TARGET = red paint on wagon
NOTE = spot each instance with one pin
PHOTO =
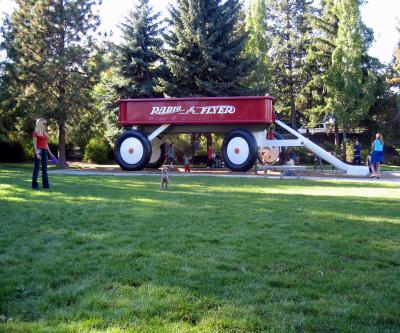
(197, 110)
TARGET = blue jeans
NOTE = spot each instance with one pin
(45, 177)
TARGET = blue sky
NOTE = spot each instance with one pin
(381, 15)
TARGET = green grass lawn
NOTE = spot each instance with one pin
(115, 254)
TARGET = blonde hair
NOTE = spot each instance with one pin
(40, 128)
(379, 137)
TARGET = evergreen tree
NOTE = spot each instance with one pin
(205, 50)
(319, 59)
(51, 46)
(350, 82)
(138, 59)
(324, 23)
(257, 47)
(394, 69)
(289, 31)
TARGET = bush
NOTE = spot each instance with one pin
(12, 151)
(27, 146)
(96, 151)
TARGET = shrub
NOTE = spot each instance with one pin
(11, 151)
(96, 151)
(27, 146)
(53, 145)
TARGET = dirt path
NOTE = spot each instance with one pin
(78, 168)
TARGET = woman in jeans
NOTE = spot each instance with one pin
(42, 151)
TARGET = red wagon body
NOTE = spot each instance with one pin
(243, 120)
(197, 111)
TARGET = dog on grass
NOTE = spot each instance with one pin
(164, 178)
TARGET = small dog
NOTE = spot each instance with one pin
(164, 178)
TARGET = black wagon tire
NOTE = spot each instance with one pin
(276, 155)
(132, 150)
(239, 150)
(158, 155)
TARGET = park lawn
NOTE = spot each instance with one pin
(115, 254)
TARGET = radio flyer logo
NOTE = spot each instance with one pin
(200, 110)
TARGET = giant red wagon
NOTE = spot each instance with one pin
(244, 121)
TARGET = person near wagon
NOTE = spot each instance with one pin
(210, 159)
(318, 162)
(42, 152)
(270, 133)
(377, 155)
(186, 163)
(171, 154)
(368, 162)
(291, 157)
(357, 153)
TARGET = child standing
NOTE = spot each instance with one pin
(186, 160)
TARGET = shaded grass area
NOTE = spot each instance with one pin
(115, 254)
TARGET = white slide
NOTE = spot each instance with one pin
(353, 170)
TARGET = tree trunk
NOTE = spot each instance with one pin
(193, 143)
(62, 162)
(337, 138)
(344, 144)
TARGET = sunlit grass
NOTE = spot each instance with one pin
(116, 254)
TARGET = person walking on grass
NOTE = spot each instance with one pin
(42, 152)
(377, 155)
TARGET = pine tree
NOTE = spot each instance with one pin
(205, 50)
(394, 70)
(138, 59)
(257, 47)
(350, 83)
(324, 23)
(289, 30)
(51, 46)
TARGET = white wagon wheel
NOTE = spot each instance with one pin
(132, 150)
(239, 150)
